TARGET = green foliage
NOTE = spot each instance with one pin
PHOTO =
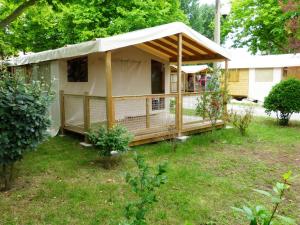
(201, 17)
(211, 103)
(114, 139)
(144, 185)
(24, 119)
(283, 99)
(241, 120)
(259, 25)
(42, 28)
(260, 215)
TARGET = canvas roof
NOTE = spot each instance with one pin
(193, 68)
(267, 61)
(160, 40)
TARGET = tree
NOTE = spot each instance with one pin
(201, 17)
(259, 25)
(291, 9)
(24, 120)
(283, 99)
(82, 20)
(11, 16)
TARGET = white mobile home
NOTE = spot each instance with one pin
(124, 79)
(254, 76)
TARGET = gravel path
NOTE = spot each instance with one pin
(258, 110)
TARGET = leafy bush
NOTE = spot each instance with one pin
(241, 120)
(144, 185)
(211, 103)
(283, 99)
(260, 215)
(114, 139)
(24, 120)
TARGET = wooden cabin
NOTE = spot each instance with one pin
(124, 79)
(254, 76)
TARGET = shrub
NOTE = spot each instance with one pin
(283, 99)
(114, 139)
(260, 215)
(24, 120)
(241, 120)
(211, 103)
(144, 185)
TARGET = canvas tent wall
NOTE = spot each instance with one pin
(261, 73)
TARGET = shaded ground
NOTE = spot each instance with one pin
(63, 183)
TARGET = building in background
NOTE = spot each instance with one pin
(253, 77)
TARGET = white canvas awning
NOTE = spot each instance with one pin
(192, 68)
(266, 61)
(160, 40)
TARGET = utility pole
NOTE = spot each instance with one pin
(217, 33)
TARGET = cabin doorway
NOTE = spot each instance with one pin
(157, 84)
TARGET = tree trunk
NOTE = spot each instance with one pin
(17, 12)
(7, 176)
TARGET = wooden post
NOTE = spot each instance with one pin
(184, 82)
(62, 112)
(179, 95)
(225, 92)
(110, 114)
(86, 113)
(147, 112)
(194, 81)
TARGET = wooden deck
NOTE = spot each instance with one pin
(162, 127)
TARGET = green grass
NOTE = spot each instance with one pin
(63, 183)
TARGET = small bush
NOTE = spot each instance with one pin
(284, 100)
(242, 120)
(261, 215)
(115, 139)
(144, 185)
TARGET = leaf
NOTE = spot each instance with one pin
(286, 220)
(263, 192)
(287, 175)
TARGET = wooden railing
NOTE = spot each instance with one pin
(86, 109)
(141, 114)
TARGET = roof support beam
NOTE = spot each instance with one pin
(166, 52)
(194, 43)
(185, 48)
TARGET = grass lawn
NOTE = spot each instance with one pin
(63, 183)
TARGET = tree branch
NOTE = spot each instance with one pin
(17, 12)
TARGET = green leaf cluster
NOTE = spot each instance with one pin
(201, 17)
(24, 116)
(45, 26)
(259, 25)
(114, 139)
(283, 99)
(24, 120)
(260, 215)
(144, 185)
(211, 103)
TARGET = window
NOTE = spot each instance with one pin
(263, 75)
(293, 72)
(234, 75)
(78, 70)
